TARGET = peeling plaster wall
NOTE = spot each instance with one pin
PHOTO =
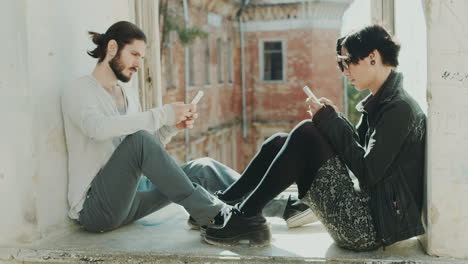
(17, 205)
(448, 127)
(45, 49)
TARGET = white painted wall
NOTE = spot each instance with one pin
(448, 127)
(410, 30)
(356, 16)
(43, 47)
(16, 141)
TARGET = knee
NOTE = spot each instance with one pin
(194, 167)
(198, 163)
(275, 142)
(144, 137)
(205, 161)
(305, 128)
(141, 134)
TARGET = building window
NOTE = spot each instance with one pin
(219, 60)
(230, 62)
(191, 55)
(207, 63)
(272, 61)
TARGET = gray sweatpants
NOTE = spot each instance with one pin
(120, 195)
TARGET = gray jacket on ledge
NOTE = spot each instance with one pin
(386, 152)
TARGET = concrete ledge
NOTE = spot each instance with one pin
(164, 237)
(53, 256)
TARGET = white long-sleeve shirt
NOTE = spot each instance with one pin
(92, 121)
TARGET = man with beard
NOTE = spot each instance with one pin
(111, 143)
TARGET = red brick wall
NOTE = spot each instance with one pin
(310, 61)
(216, 129)
(270, 106)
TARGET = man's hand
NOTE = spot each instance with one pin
(185, 115)
(183, 111)
(187, 123)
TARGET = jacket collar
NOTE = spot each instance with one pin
(386, 93)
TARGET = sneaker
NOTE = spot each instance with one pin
(298, 214)
(218, 220)
(219, 195)
(237, 228)
(192, 223)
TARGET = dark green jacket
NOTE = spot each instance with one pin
(386, 152)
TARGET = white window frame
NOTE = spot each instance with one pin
(284, 57)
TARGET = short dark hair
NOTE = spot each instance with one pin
(361, 43)
(123, 32)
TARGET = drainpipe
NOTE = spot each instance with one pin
(345, 96)
(156, 50)
(241, 31)
(187, 77)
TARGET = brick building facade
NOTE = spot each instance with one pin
(287, 44)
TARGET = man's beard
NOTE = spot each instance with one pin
(117, 67)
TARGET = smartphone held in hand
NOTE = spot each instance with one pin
(310, 94)
(197, 97)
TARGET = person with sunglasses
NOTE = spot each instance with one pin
(385, 152)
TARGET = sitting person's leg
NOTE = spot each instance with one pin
(344, 211)
(303, 153)
(255, 170)
(113, 199)
(215, 176)
(209, 173)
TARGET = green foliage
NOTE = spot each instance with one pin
(188, 35)
(354, 97)
(171, 22)
(174, 22)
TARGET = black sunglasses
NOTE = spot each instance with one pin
(343, 62)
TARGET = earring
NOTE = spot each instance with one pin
(372, 62)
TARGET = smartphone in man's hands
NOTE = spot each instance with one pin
(197, 97)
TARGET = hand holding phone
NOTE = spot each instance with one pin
(311, 95)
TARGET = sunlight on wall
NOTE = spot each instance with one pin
(357, 15)
(410, 29)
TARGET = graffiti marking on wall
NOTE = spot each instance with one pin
(455, 76)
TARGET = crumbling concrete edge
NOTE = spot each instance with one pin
(33, 256)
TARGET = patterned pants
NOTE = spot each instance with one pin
(344, 211)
